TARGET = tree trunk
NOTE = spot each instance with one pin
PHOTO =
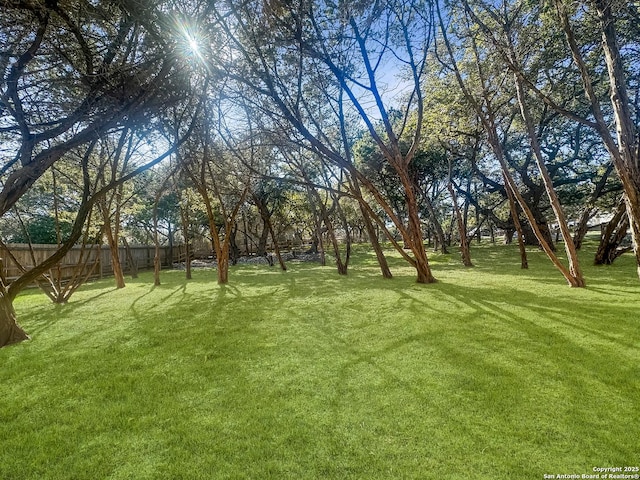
(626, 152)
(492, 134)
(524, 263)
(612, 236)
(233, 244)
(262, 241)
(133, 265)
(477, 215)
(375, 243)
(464, 243)
(633, 212)
(318, 242)
(222, 252)
(184, 218)
(414, 230)
(245, 236)
(437, 226)
(10, 331)
(156, 242)
(112, 242)
(347, 231)
(276, 247)
(583, 223)
(340, 264)
(169, 258)
(570, 249)
(371, 230)
(486, 115)
(267, 228)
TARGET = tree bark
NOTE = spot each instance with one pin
(156, 240)
(267, 229)
(261, 250)
(222, 260)
(324, 216)
(133, 265)
(112, 242)
(464, 243)
(626, 152)
(276, 247)
(612, 236)
(371, 230)
(10, 331)
(437, 226)
(486, 115)
(184, 218)
(575, 271)
(524, 263)
(414, 229)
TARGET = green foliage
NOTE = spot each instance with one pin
(494, 372)
(42, 229)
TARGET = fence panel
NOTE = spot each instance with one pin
(98, 255)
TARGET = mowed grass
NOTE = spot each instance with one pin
(493, 372)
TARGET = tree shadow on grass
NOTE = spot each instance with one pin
(507, 364)
(42, 320)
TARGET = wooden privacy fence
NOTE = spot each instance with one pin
(95, 260)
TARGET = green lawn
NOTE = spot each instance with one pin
(492, 373)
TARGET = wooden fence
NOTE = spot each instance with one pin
(95, 260)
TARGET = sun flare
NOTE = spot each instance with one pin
(194, 46)
(191, 39)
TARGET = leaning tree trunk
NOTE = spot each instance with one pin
(612, 236)
(10, 331)
(411, 232)
(276, 247)
(492, 133)
(575, 270)
(375, 243)
(625, 153)
(627, 160)
(487, 116)
(340, 264)
(267, 228)
(371, 230)
(261, 249)
(156, 242)
(319, 243)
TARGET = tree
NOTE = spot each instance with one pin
(625, 152)
(485, 109)
(69, 76)
(314, 72)
(616, 23)
(222, 191)
(63, 86)
(268, 196)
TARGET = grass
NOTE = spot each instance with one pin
(493, 372)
